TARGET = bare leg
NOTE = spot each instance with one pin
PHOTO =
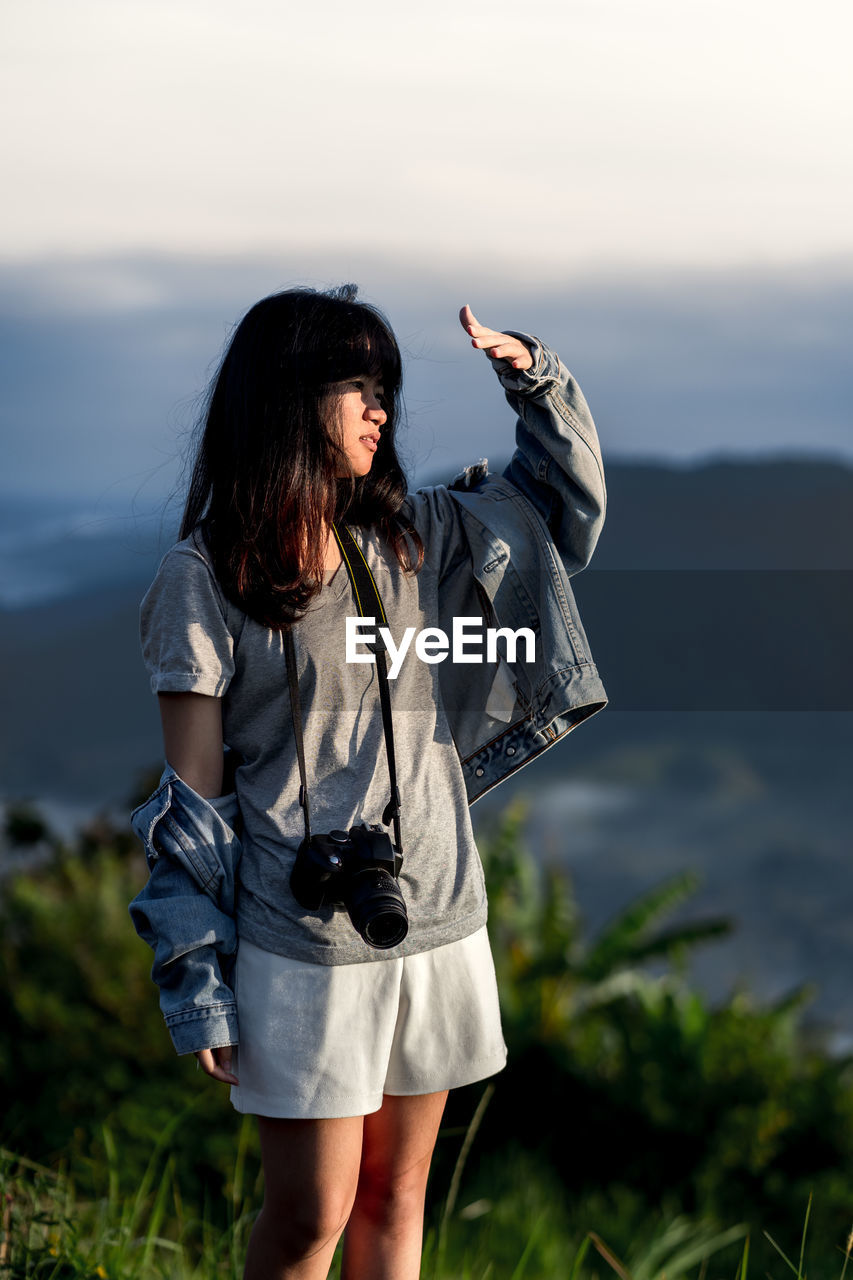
(384, 1235)
(310, 1178)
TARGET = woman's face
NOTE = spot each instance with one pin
(359, 413)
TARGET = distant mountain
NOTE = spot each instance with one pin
(51, 550)
(77, 719)
(787, 513)
(725, 586)
(770, 513)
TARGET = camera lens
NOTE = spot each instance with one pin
(376, 908)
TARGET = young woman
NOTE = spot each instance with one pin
(346, 1050)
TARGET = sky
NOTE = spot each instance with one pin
(663, 191)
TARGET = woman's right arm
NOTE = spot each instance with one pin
(192, 739)
(185, 912)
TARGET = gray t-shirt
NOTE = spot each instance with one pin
(195, 640)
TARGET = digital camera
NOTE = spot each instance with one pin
(354, 871)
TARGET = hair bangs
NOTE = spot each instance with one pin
(367, 346)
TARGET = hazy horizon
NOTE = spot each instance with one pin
(654, 190)
(104, 362)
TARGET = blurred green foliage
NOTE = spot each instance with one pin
(623, 1079)
(624, 1090)
(82, 1042)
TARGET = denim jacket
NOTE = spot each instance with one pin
(524, 534)
(186, 910)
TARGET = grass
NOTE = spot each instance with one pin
(521, 1230)
(145, 1233)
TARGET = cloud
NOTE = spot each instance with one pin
(536, 141)
(104, 362)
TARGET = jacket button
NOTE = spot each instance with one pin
(479, 772)
(510, 751)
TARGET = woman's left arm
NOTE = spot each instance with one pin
(557, 464)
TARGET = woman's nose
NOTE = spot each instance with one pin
(374, 412)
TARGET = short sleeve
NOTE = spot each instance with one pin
(186, 643)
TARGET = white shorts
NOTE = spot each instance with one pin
(319, 1041)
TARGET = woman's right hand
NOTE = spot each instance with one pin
(217, 1063)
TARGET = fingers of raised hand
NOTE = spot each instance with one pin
(479, 333)
(500, 346)
(217, 1063)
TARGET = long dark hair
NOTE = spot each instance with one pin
(265, 483)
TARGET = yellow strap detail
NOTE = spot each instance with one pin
(352, 575)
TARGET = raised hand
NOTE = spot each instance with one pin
(501, 346)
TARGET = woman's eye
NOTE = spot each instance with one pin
(361, 383)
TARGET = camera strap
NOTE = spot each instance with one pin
(369, 604)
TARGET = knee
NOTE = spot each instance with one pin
(392, 1198)
(300, 1228)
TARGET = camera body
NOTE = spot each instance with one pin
(354, 871)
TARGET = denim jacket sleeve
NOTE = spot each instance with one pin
(518, 539)
(557, 463)
(186, 911)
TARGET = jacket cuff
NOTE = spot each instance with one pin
(542, 375)
(212, 1027)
